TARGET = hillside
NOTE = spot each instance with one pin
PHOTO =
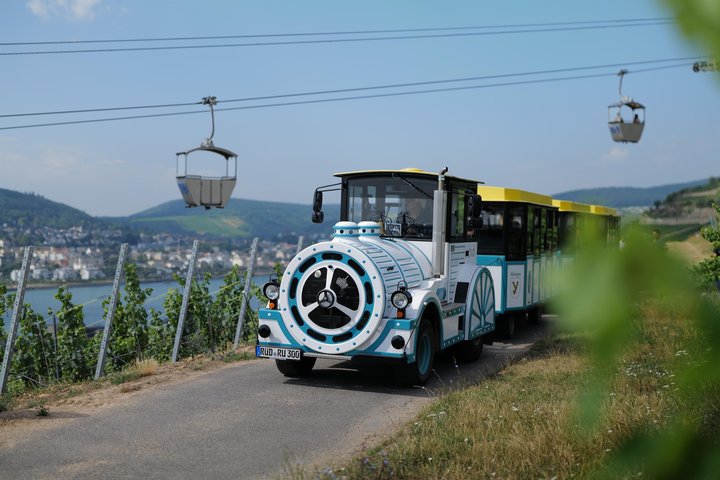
(25, 210)
(619, 197)
(240, 217)
(694, 203)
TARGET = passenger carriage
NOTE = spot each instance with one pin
(517, 243)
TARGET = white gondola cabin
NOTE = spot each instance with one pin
(206, 191)
(199, 190)
(626, 119)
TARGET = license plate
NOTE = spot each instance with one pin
(278, 353)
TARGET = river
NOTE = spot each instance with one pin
(92, 296)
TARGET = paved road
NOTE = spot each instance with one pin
(243, 421)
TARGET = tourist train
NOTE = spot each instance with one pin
(419, 263)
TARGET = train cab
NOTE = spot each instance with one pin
(517, 241)
(397, 282)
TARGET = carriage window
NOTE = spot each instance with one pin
(515, 230)
(490, 236)
(567, 229)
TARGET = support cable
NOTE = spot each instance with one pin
(337, 99)
(333, 40)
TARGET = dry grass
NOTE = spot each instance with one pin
(692, 250)
(145, 368)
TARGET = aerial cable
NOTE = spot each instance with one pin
(327, 100)
(356, 89)
(352, 32)
(329, 40)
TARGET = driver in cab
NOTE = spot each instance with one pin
(418, 217)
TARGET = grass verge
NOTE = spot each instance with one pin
(529, 420)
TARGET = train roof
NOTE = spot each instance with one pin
(568, 206)
(502, 194)
(602, 210)
(408, 171)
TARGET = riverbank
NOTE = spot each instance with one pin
(12, 287)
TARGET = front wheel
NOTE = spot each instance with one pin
(295, 368)
(418, 372)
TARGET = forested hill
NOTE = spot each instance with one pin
(618, 197)
(32, 210)
(239, 218)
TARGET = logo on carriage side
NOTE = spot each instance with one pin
(326, 298)
(514, 279)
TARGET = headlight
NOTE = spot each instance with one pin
(271, 291)
(400, 299)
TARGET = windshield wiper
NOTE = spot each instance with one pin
(395, 175)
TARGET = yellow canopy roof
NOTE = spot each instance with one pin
(502, 194)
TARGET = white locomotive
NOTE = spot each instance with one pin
(398, 282)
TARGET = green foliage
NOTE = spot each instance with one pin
(709, 270)
(74, 357)
(160, 338)
(6, 402)
(197, 335)
(210, 324)
(700, 21)
(226, 307)
(129, 338)
(34, 357)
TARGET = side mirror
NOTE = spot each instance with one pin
(317, 201)
(318, 215)
(473, 211)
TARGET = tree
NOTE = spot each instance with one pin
(709, 269)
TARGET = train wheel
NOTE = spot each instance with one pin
(469, 351)
(505, 325)
(294, 368)
(535, 315)
(418, 373)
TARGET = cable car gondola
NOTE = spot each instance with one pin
(623, 130)
(198, 190)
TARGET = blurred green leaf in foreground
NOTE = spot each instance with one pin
(654, 353)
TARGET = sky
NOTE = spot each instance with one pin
(545, 137)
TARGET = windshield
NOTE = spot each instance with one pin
(403, 205)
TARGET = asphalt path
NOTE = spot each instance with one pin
(242, 421)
